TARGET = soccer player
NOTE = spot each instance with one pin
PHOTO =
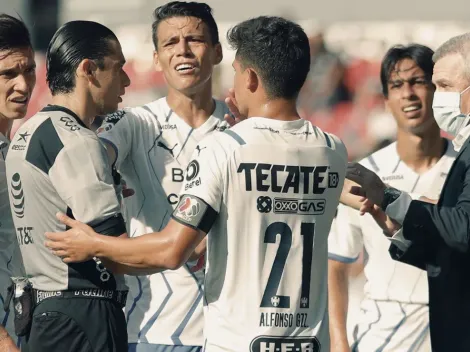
(266, 192)
(394, 314)
(151, 146)
(17, 81)
(58, 164)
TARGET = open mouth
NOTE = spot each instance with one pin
(183, 68)
(20, 100)
(412, 108)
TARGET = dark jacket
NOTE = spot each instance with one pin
(440, 245)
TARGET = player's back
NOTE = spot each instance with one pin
(266, 277)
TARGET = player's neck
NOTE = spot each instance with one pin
(195, 108)
(277, 109)
(5, 126)
(420, 153)
(81, 106)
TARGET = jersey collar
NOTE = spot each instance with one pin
(67, 111)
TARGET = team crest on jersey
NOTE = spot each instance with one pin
(114, 117)
(104, 127)
(221, 128)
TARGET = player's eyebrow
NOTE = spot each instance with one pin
(15, 68)
(441, 82)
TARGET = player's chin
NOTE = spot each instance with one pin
(110, 108)
(16, 113)
(419, 125)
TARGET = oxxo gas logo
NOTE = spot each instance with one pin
(18, 195)
(265, 204)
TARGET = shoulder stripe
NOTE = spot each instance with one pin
(44, 146)
(328, 140)
(372, 162)
(396, 166)
(235, 136)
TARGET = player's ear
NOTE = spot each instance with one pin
(87, 69)
(156, 61)
(218, 54)
(252, 79)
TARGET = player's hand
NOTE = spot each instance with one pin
(74, 245)
(232, 105)
(352, 195)
(125, 191)
(372, 186)
(199, 264)
(388, 225)
(7, 344)
(428, 200)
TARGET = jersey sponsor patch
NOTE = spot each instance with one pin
(114, 117)
(195, 213)
(281, 343)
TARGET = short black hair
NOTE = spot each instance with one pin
(277, 49)
(72, 43)
(420, 54)
(185, 9)
(13, 33)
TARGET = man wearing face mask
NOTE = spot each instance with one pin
(434, 237)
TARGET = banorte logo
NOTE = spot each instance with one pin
(18, 195)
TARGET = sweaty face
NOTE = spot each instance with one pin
(449, 76)
(17, 81)
(185, 53)
(112, 80)
(410, 96)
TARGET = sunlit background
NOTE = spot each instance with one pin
(348, 39)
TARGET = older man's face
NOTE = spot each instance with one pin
(450, 75)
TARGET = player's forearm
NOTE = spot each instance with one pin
(152, 252)
(338, 305)
(120, 268)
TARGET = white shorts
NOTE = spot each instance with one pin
(391, 326)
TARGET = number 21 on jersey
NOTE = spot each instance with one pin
(271, 299)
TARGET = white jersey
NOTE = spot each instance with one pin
(268, 190)
(395, 294)
(154, 147)
(11, 263)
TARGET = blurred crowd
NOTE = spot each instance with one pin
(341, 96)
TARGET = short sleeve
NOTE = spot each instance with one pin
(202, 191)
(82, 177)
(340, 147)
(345, 241)
(117, 130)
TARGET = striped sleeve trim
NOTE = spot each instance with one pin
(340, 258)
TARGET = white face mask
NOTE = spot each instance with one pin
(446, 107)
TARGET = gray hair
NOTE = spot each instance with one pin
(456, 45)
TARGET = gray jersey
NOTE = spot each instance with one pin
(57, 164)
